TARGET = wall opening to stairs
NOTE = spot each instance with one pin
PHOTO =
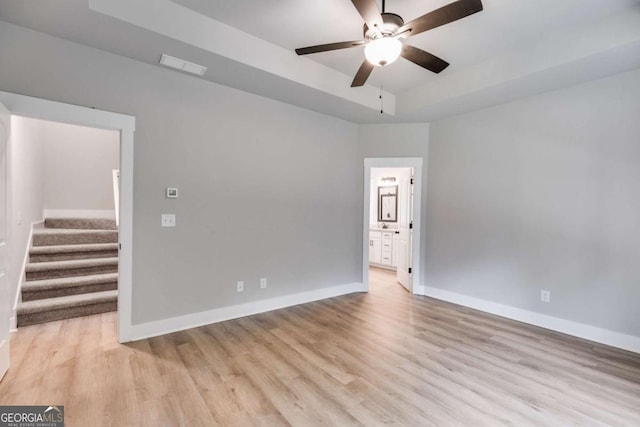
(125, 125)
(65, 238)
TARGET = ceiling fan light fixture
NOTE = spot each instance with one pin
(383, 51)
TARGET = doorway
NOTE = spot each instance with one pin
(391, 219)
(63, 228)
(42, 109)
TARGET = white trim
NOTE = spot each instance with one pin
(115, 173)
(125, 237)
(4, 357)
(394, 162)
(79, 213)
(37, 108)
(576, 329)
(188, 321)
(44, 109)
(13, 320)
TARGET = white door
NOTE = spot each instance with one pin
(5, 308)
(405, 220)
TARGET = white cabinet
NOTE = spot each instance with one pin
(387, 248)
(382, 248)
(375, 247)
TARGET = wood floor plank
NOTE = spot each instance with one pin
(385, 357)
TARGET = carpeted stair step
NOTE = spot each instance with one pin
(51, 309)
(81, 223)
(57, 269)
(70, 252)
(56, 237)
(52, 288)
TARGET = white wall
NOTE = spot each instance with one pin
(543, 193)
(26, 165)
(78, 167)
(266, 189)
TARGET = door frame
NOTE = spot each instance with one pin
(37, 108)
(416, 244)
(5, 239)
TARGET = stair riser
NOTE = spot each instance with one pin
(74, 239)
(67, 313)
(72, 272)
(74, 290)
(81, 224)
(72, 256)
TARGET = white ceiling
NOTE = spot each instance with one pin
(512, 49)
(502, 25)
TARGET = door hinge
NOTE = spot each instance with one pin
(409, 270)
(120, 246)
(410, 226)
(411, 181)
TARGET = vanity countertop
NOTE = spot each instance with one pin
(383, 229)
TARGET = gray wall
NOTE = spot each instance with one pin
(78, 167)
(266, 189)
(542, 193)
(398, 140)
(26, 167)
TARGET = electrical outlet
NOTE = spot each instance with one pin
(545, 296)
(240, 286)
(168, 220)
(263, 283)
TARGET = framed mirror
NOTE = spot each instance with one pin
(388, 204)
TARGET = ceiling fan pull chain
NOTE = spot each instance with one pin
(383, 6)
(381, 99)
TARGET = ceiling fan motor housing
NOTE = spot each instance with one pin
(390, 24)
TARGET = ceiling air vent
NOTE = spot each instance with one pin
(182, 65)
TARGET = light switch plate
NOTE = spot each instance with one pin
(172, 193)
(168, 220)
(545, 295)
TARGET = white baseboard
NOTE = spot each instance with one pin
(174, 324)
(78, 213)
(13, 320)
(576, 329)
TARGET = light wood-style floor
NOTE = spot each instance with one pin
(365, 359)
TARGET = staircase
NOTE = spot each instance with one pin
(72, 270)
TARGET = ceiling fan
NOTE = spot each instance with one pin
(383, 31)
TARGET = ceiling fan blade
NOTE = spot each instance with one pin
(369, 11)
(363, 74)
(444, 15)
(328, 47)
(423, 59)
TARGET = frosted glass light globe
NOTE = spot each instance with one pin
(384, 51)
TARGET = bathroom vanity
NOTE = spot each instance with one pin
(383, 247)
